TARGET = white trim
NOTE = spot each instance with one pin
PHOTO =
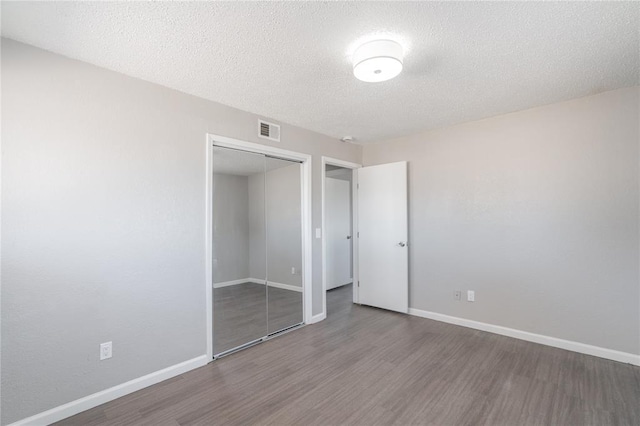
(356, 239)
(354, 227)
(318, 318)
(340, 163)
(227, 142)
(305, 188)
(532, 337)
(307, 239)
(208, 249)
(79, 405)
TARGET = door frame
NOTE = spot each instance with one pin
(354, 226)
(305, 208)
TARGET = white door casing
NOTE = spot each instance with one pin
(383, 228)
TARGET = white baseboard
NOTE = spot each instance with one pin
(233, 282)
(317, 318)
(79, 405)
(532, 337)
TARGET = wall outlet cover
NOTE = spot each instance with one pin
(106, 350)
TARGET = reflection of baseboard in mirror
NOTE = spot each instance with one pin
(285, 286)
(258, 281)
(229, 283)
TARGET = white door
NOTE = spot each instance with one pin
(382, 225)
(338, 232)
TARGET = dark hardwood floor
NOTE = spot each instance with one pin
(365, 366)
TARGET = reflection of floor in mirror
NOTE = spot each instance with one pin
(240, 313)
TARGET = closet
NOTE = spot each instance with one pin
(257, 248)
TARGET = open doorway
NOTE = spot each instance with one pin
(338, 229)
(339, 233)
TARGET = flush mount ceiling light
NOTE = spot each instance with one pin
(377, 60)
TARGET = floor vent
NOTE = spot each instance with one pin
(269, 131)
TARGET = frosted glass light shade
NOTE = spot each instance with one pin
(378, 60)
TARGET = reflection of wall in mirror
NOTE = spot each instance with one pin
(230, 227)
(239, 209)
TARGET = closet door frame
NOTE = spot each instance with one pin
(305, 208)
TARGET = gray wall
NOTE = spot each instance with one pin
(103, 219)
(230, 227)
(536, 211)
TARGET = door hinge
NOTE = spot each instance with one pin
(358, 234)
(358, 283)
(357, 186)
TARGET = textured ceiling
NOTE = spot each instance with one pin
(290, 61)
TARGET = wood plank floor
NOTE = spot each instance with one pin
(365, 366)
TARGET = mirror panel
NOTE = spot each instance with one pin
(239, 267)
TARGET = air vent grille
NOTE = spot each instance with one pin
(269, 131)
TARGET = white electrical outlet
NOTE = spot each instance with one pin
(318, 233)
(293, 270)
(471, 296)
(106, 350)
(457, 295)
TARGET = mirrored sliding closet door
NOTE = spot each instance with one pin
(257, 248)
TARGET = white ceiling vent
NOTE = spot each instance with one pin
(269, 131)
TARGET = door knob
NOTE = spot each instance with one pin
(402, 244)
(348, 237)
